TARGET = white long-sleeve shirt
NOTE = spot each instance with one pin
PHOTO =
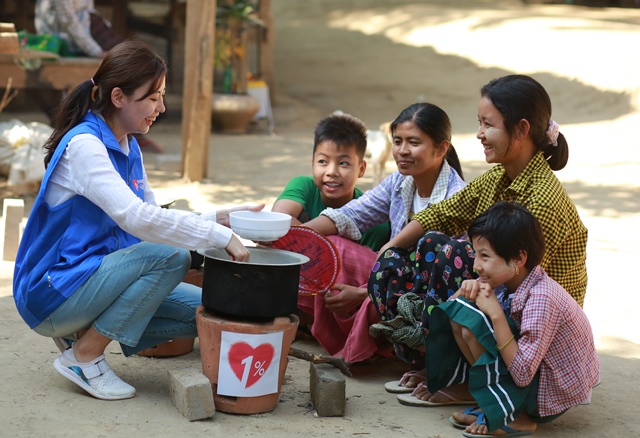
(86, 170)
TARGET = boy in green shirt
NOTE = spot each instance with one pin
(339, 145)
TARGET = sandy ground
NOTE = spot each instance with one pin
(372, 60)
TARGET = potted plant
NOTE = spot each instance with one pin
(232, 108)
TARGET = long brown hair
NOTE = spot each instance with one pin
(520, 97)
(433, 121)
(128, 66)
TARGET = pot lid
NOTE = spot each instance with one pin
(321, 272)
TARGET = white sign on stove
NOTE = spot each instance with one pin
(249, 364)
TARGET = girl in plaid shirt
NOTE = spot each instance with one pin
(527, 350)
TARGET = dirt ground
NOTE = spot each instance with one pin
(372, 58)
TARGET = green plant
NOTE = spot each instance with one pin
(233, 17)
(245, 10)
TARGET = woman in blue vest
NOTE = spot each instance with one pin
(98, 254)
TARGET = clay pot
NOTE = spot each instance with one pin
(210, 328)
(176, 347)
(194, 276)
(231, 113)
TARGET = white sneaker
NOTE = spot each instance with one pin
(95, 377)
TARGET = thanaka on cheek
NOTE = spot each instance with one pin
(493, 134)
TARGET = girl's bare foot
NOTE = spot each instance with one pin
(521, 424)
(421, 392)
(454, 392)
(409, 381)
(413, 379)
(467, 417)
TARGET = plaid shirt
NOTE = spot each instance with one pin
(555, 337)
(537, 189)
(391, 200)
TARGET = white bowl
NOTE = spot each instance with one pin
(261, 226)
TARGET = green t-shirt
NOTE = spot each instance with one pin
(302, 190)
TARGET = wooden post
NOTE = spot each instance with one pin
(198, 88)
(266, 51)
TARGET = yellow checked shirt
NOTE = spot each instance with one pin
(537, 189)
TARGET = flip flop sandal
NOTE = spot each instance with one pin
(394, 387)
(397, 387)
(509, 432)
(475, 411)
(410, 400)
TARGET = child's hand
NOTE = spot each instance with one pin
(482, 294)
(465, 289)
(348, 299)
(489, 304)
(470, 289)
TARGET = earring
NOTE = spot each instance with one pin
(517, 270)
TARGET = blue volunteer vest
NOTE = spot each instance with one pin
(63, 245)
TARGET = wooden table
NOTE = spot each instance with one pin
(53, 73)
(56, 73)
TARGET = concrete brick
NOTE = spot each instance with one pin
(12, 215)
(328, 390)
(191, 393)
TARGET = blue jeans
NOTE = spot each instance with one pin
(136, 297)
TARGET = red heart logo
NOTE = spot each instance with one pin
(250, 364)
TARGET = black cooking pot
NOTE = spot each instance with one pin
(264, 287)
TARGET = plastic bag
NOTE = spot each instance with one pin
(21, 153)
(42, 42)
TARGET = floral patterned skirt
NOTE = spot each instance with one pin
(434, 270)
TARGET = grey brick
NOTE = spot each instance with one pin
(191, 393)
(328, 390)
